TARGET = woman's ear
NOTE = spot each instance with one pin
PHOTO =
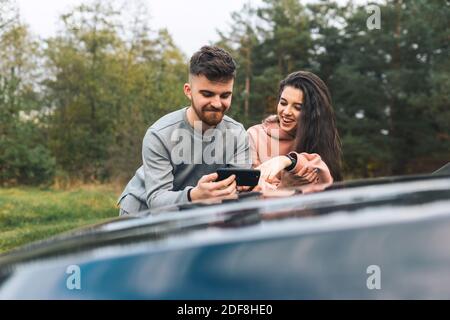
(187, 91)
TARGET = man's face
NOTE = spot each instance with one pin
(210, 100)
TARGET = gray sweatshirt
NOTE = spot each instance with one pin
(175, 156)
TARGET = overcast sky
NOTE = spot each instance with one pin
(191, 23)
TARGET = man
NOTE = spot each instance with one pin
(182, 150)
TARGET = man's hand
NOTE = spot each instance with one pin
(208, 188)
(243, 188)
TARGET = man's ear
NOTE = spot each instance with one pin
(187, 91)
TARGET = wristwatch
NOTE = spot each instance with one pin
(293, 157)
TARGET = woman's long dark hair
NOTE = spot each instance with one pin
(316, 127)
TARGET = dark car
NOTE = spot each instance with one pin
(381, 238)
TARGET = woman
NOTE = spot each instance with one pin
(300, 144)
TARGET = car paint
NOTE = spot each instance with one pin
(316, 246)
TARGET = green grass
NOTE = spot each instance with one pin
(30, 214)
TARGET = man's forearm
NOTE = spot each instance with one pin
(162, 198)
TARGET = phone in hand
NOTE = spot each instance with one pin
(244, 177)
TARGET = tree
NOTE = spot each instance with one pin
(111, 80)
(383, 79)
(8, 14)
(24, 156)
(241, 41)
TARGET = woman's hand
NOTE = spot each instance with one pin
(272, 167)
(309, 173)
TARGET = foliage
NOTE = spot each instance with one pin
(78, 104)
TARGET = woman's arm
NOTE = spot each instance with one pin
(311, 167)
(299, 168)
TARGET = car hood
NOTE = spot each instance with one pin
(379, 197)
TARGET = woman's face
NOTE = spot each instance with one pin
(289, 108)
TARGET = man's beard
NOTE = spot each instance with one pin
(210, 115)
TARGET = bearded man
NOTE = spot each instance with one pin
(182, 150)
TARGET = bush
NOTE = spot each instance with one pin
(22, 163)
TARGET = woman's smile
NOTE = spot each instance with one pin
(286, 120)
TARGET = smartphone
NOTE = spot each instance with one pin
(244, 177)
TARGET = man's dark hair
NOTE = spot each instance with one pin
(214, 63)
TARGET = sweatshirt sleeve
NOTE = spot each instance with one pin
(158, 176)
(313, 160)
